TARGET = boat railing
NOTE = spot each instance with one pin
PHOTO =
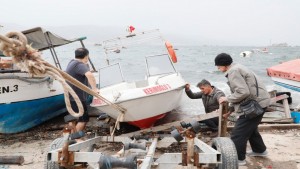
(118, 43)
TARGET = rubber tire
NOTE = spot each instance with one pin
(56, 144)
(228, 152)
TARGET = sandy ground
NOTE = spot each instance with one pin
(283, 147)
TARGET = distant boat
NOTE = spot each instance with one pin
(263, 50)
(246, 54)
(280, 45)
(286, 74)
(27, 101)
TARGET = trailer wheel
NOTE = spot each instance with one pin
(56, 144)
(228, 153)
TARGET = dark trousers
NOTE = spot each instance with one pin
(212, 123)
(85, 117)
(244, 130)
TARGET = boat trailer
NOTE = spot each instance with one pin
(138, 150)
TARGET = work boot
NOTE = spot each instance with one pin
(242, 162)
(254, 154)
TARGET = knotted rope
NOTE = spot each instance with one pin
(28, 59)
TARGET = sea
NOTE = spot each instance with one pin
(194, 63)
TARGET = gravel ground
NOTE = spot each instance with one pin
(283, 146)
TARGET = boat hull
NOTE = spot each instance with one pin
(286, 83)
(20, 116)
(143, 112)
(26, 102)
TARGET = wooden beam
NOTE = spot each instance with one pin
(273, 126)
(222, 121)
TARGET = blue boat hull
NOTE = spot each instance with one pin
(20, 116)
(295, 88)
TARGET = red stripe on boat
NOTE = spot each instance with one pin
(146, 123)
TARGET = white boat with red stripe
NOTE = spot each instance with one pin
(146, 100)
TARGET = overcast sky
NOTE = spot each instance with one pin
(216, 22)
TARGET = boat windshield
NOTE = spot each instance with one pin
(110, 75)
(159, 64)
(156, 65)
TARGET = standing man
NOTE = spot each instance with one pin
(78, 68)
(210, 97)
(243, 86)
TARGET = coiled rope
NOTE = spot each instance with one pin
(28, 59)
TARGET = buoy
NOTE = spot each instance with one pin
(171, 51)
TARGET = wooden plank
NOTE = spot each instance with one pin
(277, 120)
(273, 126)
(277, 98)
(286, 108)
(222, 121)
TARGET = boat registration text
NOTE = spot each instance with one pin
(8, 89)
(157, 89)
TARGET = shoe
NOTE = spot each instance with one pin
(254, 154)
(242, 162)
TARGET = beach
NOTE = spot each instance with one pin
(283, 147)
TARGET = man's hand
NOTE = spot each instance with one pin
(222, 99)
(226, 115)
(187, 86)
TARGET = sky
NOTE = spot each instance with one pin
(211, 22)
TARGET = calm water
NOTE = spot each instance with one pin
(194, 63)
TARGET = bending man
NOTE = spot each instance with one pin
(210, 97)
(244, 84)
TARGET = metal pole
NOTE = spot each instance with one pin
(149, 157)
(11, 160)
(51, 48)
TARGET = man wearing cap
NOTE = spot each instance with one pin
(242, 83)
(210, 97)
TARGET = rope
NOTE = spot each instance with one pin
(29, 60)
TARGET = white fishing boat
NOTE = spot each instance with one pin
(25, 100)
(145, 100)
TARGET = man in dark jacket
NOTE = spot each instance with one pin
(244, 84)
(210, 97)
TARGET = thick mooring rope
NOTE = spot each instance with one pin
(28, 59)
